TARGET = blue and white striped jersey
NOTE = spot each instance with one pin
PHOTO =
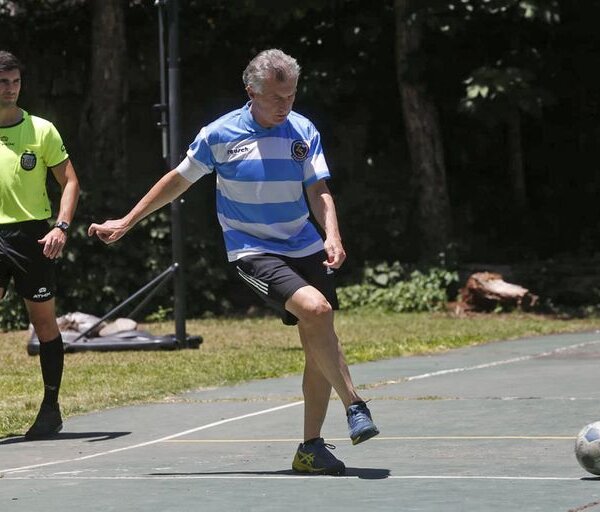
(261, 173)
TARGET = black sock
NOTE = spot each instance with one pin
(52, 356)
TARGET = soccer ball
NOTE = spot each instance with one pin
(587, 448)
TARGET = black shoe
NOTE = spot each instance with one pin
(316, 459)
(47, 423)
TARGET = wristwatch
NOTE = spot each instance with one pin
(62, 225)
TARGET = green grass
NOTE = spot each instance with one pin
(236, 350)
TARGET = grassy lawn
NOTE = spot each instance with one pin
(236, 350)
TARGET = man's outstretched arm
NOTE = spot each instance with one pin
(168, 188)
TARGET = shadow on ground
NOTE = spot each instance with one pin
(94, 437)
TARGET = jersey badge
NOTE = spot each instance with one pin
(28, 161)
(299, 150)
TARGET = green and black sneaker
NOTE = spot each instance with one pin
(315, 458)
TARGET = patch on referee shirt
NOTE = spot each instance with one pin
(28, 161)
(299, 150)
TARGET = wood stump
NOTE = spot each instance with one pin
(486, 291)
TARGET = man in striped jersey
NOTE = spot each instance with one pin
(266, 156)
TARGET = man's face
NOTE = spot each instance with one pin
(272, 105)
(10, 86)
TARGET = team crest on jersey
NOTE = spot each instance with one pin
(28, 161)
(299, 150)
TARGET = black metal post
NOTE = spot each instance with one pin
(162, 107)
(175, 156)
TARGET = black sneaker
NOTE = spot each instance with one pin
(47, 423)
(316, 459)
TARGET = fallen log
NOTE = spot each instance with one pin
(486, 291)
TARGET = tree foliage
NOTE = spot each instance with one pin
(510, 79)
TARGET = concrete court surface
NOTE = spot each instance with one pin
(487, 428)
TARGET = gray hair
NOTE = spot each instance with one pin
(270, 63)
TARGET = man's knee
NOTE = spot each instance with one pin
(43, 319)
(317, 310)
(321, 308)
(309, 305)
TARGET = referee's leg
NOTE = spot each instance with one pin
(43, 317)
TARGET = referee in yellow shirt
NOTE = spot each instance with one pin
(29, 146)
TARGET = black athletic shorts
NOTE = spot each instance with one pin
(275, 278)
(22, 259)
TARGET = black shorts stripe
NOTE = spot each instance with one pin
(256, 284)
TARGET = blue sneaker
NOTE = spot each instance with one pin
(316, 459)
(360, 424)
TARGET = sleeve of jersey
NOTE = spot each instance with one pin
(54, 150)
(315, 166)
(199, 159)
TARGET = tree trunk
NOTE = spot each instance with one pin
(515, 161)
(424, 140)
(105, 116)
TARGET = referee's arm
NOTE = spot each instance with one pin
(65, 175)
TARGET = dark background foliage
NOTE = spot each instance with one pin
(513, 84)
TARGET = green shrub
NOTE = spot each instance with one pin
(394, 288)
(13, 315)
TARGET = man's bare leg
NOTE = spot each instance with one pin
(315, 320)
(317, 392)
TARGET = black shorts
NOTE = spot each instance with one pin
(22, 259)
(275, 278)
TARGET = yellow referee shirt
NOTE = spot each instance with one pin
(27, 149)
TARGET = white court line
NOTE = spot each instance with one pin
(297, 477)
(203, 427)
(147, 443)
(384, 438)
(490, 365)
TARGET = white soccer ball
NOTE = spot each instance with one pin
(587, 448)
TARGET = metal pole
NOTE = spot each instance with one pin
(162, 107)
(175, 156)
(155, 283)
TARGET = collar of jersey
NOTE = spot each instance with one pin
(250, 122)
(25, 115)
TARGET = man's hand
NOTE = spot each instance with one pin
(53, 243)
(335, 253)
(109, 231)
